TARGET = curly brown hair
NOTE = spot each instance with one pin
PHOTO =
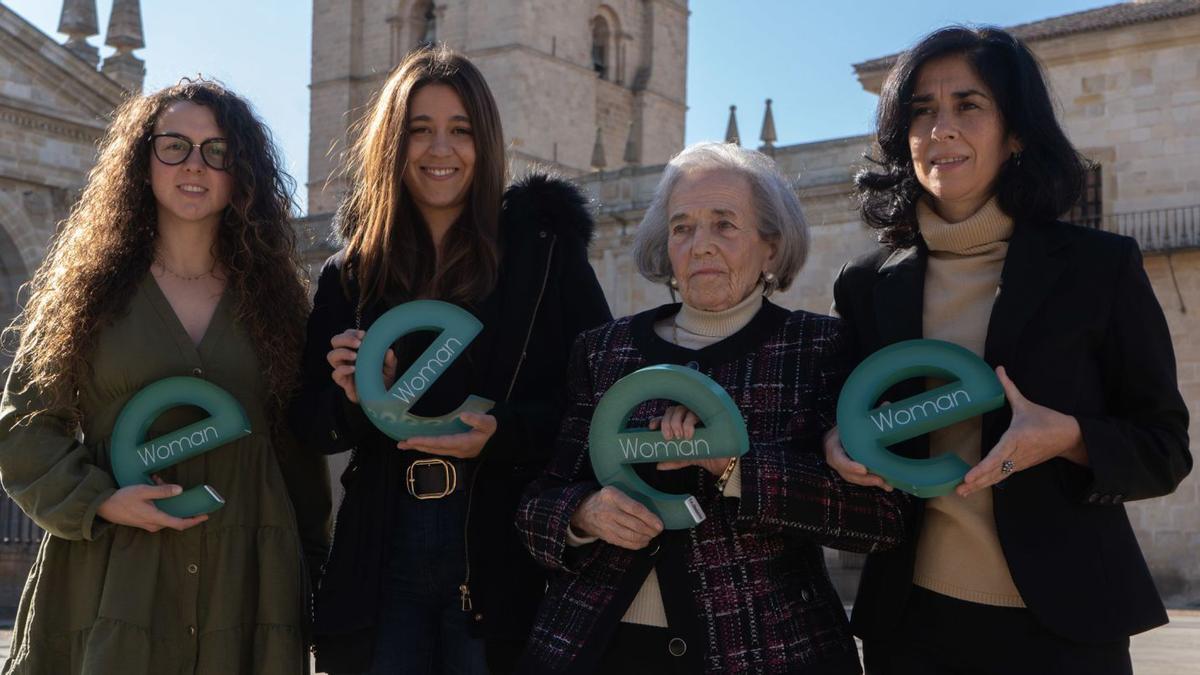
(105, 247)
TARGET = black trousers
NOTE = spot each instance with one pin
(643, 650)
(946, 636)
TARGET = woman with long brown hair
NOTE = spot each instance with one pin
(426, 566)
(159, 271)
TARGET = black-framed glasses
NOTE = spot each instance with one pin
(174, 149)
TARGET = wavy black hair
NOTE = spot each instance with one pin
(1043, 184)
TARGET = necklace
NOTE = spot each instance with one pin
(182, 277)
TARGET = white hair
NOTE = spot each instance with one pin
(781, 220)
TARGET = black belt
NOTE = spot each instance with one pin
(431, 478)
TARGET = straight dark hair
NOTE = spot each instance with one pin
(1040, 184)
(389, 249)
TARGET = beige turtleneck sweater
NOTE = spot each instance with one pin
(958, 551)
(694, 329)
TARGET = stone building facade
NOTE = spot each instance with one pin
(580, 85)
(55, 101)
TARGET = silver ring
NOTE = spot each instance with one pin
(1007, 466)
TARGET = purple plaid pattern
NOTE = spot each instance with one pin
(756, 568)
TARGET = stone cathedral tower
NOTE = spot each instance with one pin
(581, 84)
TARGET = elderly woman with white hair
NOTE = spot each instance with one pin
(745, 590)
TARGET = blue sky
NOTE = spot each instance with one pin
(797, 52)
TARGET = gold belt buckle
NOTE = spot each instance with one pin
(451, 478)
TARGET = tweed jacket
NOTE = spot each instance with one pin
(746, 589)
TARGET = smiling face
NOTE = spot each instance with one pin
(717, 254)
(441, 153)
(191, 193)
(957, 137)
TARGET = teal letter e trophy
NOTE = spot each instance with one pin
(388, 408)
(613, 447)
(135, 459)
(866, 431)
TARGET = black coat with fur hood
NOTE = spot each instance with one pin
(546, 294)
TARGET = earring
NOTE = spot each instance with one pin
(768, 281)
(673, 283)
(1016, 158)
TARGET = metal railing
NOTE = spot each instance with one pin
(1158, 229)
(16, 529)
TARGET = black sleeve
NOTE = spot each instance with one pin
(549, 502)
(1139, 449)
(322, 418)
(845, 308)
(583, 301)
(526, 428)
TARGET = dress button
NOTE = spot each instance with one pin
(479, 617)
(1117, 498)
(1106, 499)
(197, 372)
(193, 568)
(542, 234)
(677, 647)
(333, 434)
(805, 595)
(694, 365)
(1093, 498)
(191, 630)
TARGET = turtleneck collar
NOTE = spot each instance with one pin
(723, 323)
(976, 234)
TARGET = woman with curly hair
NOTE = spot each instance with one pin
(181, 230)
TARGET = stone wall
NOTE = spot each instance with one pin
(1169, 527)
(537, 59)
(1130, 99)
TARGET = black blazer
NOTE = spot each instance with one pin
(1078, 328)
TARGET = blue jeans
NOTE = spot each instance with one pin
(422, 629)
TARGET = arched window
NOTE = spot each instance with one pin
(600, 51)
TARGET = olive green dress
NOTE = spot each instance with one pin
(227, 596)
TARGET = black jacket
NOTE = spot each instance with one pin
(546, 294)
(1078, 329)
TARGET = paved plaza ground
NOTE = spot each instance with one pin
(1173, 649)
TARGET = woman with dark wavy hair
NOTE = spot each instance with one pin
(1030, 566)
(160, 270)
(426, 569)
